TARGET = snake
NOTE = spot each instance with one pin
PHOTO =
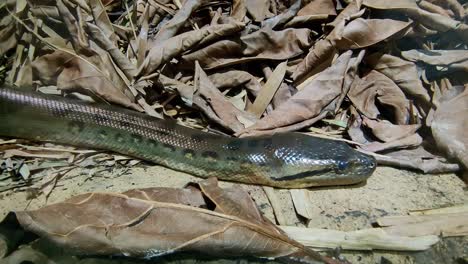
(283, 160)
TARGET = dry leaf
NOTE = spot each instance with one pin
(317, 7)
(450, 125)
(168, 49)
(90, 75)
(212, 102)
(410, 141)
(233, 78)
(307, 104)
(411, 9)
(259, 9)
(444, 59)
(402, 73)
(260, 45)
(158, 221)
(283, 18)
(374, 88)
(268, 91)
(387, 132)
(170, 29)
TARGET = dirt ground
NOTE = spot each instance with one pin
(388, 192)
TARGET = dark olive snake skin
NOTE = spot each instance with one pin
(289, 160)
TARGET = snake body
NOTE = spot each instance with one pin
(289, 160)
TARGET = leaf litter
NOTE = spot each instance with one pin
(388, 77)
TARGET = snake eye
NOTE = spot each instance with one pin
(342, 165)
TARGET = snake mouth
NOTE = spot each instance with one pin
(304, 175)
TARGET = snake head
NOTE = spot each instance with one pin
(311, 161)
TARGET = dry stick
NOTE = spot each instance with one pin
(365, 239)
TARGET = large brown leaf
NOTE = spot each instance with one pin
(411, 9)
(318, 7)
(403, 73)
(445, 59)
(450, 125)
(387, 132)
(158, 221)
(168, 49)
(359, 33)
(307, 104)
(376, 87)
(260, 45)
(86, 74)
(259, 9)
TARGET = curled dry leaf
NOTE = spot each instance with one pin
(233, 78)
(403, 73)
(262, 44)
(376, 87)
(168, 49)
(448, 59)
(170, 29)
(411, 141)
(387, 132)
(307, 104)
(450, 125)
(158, 221)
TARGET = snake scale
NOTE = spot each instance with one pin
(287, 160)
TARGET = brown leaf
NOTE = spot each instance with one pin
(318, 7)
(411, 9)
(124, 64)
(268, 91)
(259, 9)
(238, 10)
(306, 105)
(260, 45)
(359, 33)
(158, 221)
(168, 49)
(402, 73)
(387, 132)
(283, 18)
(213, 103)
(7, 34)
(89, 74)
(102, 20)
(450, 59)
(170, 29)
(233, 78)
(450, 125)
(185, 91)
(411, 141)
(377, 87)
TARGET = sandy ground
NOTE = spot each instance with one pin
(388, 192)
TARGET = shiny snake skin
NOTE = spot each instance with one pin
(289, 160)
